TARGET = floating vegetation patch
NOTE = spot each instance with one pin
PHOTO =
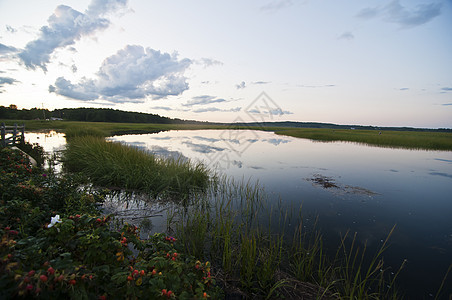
(323, 181)
(330, 183)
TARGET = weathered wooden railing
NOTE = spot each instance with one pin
(10, 134)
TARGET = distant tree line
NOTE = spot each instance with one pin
(11, 112)
(85, 115)
(108, 115)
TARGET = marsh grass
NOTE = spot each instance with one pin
(232, 225)
(395, 139)
(114, 165)
(408, 139)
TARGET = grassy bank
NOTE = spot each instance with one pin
(398, 139)
(111, 164)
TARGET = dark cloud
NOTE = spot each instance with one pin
(65, 27)
(6, 80)
(446, 104)
(203, 100)
(276, 5)
(130, 75)
(241, 85)
(215, 109)
(346, 36)
(446, 89)
(394, 12)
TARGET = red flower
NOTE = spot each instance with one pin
(51, 271)
(43, 278)
(31, 273)
(129, 278)
(29, 287)
(72, 282)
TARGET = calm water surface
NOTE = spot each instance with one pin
(374, 189)
(377, 188)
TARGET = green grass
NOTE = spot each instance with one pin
(232, 225)
(115, 165)
(398, 139)
(395, 139)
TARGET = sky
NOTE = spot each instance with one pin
(379, 63)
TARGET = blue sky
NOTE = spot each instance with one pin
(381, 63)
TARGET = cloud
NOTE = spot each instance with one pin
(241, 85)
(162, 108)
(130, 75)
(10, 29)
(272, 112)
(6, 80)
(404, 89)
(447, 89)
(209, 62)
(447, 104)
(276, 5)
(346, 36)
(316, 86)
(394, 12)
(202, 100)
(7, 49)
(65, 27)
(260, 82)
(214, 109)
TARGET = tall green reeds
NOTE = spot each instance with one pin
(232, 225)
(111, 164)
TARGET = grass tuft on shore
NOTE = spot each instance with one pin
(111, 164)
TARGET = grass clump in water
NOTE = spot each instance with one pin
(115, 165)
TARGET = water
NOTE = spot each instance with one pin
(349, 186)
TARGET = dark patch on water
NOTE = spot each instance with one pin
(441, 174)
(444, 160)
(323, 181)
(329, 183)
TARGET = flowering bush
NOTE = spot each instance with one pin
(50, 250)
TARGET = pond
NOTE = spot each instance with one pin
(348, 186)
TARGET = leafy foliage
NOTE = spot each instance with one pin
(82, 255)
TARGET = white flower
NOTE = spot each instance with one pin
(54, 220)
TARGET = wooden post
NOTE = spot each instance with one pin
(14, 133)
(22, 140)
(3, 135)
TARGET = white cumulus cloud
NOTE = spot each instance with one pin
(131, 75)
(65, 27)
